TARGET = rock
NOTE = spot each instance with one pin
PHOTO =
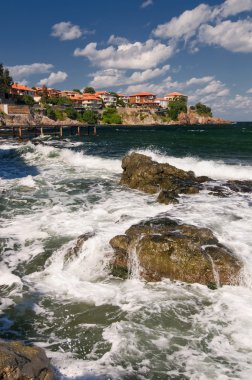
(21, 362)
(240, 186)
(165, 248)
(73, 252)
(140, 172)
(167, 197)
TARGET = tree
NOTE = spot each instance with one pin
(6, 81)
(203, 110)
(110, 116)
(26, 99)
(71, 113)
(89, 90)
(175, 107)
(77, 90)
(90, 117)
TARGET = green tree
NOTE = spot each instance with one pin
(110, 116)
(203, 110)
(175, 107)
(51, 113)
(90, 117)
(71, 113)
(89, 90)
(26, 99)
(6, 81)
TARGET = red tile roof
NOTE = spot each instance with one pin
(143, 94)
(175, 94)
(17, 86)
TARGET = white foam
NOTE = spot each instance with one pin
(214, 169)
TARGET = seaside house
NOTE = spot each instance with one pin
(143, 99)
(162, 102)
(91, 102)
(124, 98)
(21, 90)
(107, 98)
(175, 95)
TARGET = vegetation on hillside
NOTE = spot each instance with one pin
(5, 81)
(111, 116)
(175, 107)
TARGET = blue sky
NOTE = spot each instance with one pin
(203, 49)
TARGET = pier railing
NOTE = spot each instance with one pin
(28, 132)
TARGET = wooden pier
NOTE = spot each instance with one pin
(29, 132)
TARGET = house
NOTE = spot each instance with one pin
(162, 102)
(69, 94)
(175, 95)
(91, 102)
(107, 98)
(124, 98)
(21, 90)
(146, 99)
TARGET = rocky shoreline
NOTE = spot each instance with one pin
(129, 117)
(168, 248)
(22, 362)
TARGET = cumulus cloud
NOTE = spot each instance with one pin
(198, 81)
(233, 7)
(128, 55)
(65, 30)
(249, 91)
(115, 77)
(206, 24)
(146, 3)
(114, 40)
(21, 71)
(186, 24)
(53, 78)
(234, 36)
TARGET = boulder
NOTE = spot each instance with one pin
(21, 362)
(140, 172)
(165, 248)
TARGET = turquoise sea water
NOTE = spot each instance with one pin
(95, 326)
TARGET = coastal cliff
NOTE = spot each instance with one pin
(129, 116)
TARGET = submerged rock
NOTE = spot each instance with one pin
(73, 252)
(140, 172)
(21, 362)
(165, 248)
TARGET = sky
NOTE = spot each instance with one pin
(200, 48)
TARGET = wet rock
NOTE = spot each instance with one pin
(140, 172)
(21, 362)
(240, 186)
(167, 197)
(220, 191)
(167, 249)
(73, 252)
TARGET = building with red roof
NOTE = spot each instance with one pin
(175, 95)
(20, 90)
(143, 99)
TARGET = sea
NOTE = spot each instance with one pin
(95, 326)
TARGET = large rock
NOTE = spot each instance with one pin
(165, 248)
(140, 172)
(20, 362)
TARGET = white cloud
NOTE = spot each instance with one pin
(113, 40)
(115, 77)
(65, 30)
(53, 78)
(233, 7)
(198, 81)
(128, 55)
(146, 3)
(186, 24)
(249, 91)
(23, 82)
(21, 71)
(234, 36)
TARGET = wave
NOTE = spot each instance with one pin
(214, 169)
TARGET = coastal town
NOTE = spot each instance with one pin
(20, 104)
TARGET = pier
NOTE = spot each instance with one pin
(29, 132)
